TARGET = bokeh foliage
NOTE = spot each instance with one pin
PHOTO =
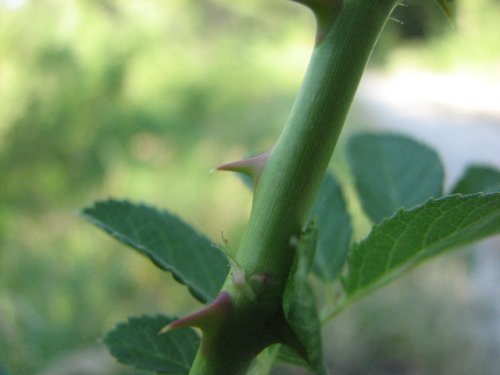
(122, 98)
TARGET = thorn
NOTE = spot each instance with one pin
(251, 167)
(325, 12)
(207, 318)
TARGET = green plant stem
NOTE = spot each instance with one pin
(289, 183)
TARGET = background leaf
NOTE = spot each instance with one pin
(170, 243)
(137, 343)
(334, 229)
(299, 304)
(409, 237)
(478, 179)
(393, 172)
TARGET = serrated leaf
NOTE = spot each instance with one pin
(137, 343)
(393, 172)
(299, 305)
(334, 229)
(478, 179)
(169, 242)
(410, 236)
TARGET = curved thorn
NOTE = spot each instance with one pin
(207, 318)
(325, 12)
(251, 167)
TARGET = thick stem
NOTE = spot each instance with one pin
(290, 181)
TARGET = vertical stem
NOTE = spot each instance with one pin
(298, 161)
(291, 178)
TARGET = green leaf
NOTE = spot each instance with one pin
(404, 240)
(393, 172)
(169, 242)
(277, 352)
(3, 370)
(264, 362)
(478, 179)
(334, 227)
(288, 355)
(137, 343)
(299, 305)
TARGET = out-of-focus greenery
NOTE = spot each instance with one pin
(137, 99)
(468, 42)
(140, 99)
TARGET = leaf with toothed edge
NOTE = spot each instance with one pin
(137, 343)
(411, 236)
(169, 242)
(299, 304)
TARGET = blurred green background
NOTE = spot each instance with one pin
(141, 99)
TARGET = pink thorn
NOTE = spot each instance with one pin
(252, 167)
(204, 318)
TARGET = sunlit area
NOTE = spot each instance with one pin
(143, 99)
